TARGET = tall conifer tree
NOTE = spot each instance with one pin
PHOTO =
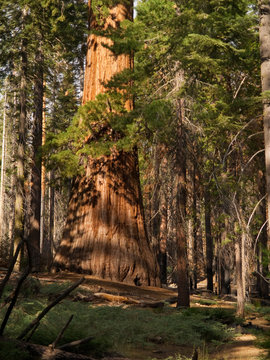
(105, 231)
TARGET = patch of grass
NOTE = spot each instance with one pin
(115, 327)
(10, 351)
(8, 290)
(224, 316)
(263, 337)
(207, 302)
(258, 309)
(54, 288)
(263, 341)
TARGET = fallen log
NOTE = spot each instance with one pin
(45, 352)
(83, 298)
(117, 298)
(128, 300)
(76, 342)
(151, 304)
(48, 353)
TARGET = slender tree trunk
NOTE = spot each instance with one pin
(195, 229)
(105, 233)
(13, 145)
(264, 31)
(20, 193)
(225, 260)
(225, 280)
(45, 244)
(34, 231)
(3, 171)
(209, 240)
(159, 211)
(163, 207)
(182, 268)
(171, 220)
(262, 285)
(51, 219)
(239, 277)
(155, 201)
(244, 263)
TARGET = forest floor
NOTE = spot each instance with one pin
(119, 308)
(244, 345)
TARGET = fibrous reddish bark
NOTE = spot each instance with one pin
(105, 231)
(101, 63)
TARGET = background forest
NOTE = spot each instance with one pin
(197, 125)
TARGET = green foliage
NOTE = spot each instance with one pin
(263, 335)
(9, 350)
(116, 328)
(51, 21)
(206, 302)
(54, 288)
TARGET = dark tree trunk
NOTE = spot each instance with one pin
(20, 190)
(262, 285)
(11, 225)
(264, 32)
(34, 231)
(163, 239)
(239, 278)
(182, 268)
(49, 247)
(225, 257)
(195, 228)
(209, 240)
(105, 232)
(159, 209)
(155, 201)
(225, 280)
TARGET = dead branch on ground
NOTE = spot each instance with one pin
(10, 268)
(76, 343)
(36, 321)
(59, 336)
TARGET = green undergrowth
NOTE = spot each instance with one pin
(263, 335)
(10, 351)
(207, 302)
(116, 328)
(261, 310)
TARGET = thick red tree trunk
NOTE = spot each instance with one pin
(105, 232)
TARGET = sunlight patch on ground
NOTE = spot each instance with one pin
(242, 348)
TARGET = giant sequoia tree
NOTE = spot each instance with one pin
(105, 232)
